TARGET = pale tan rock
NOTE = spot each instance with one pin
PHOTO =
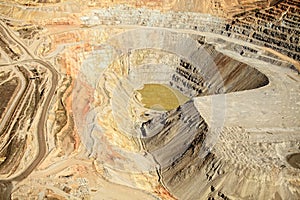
(77, 126)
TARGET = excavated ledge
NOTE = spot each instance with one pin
(182, 141)
(152, 99)
(183, 64)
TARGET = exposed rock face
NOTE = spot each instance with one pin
(74, 124)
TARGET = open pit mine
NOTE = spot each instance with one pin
(150, 99)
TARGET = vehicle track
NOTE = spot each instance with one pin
(6, 185)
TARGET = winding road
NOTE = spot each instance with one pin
(6, 185)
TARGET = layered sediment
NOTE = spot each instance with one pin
(86, 89)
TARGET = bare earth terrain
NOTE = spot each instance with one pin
(150, 99)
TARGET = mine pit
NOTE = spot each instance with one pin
(149, 99)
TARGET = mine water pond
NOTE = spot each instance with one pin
(161, 97)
